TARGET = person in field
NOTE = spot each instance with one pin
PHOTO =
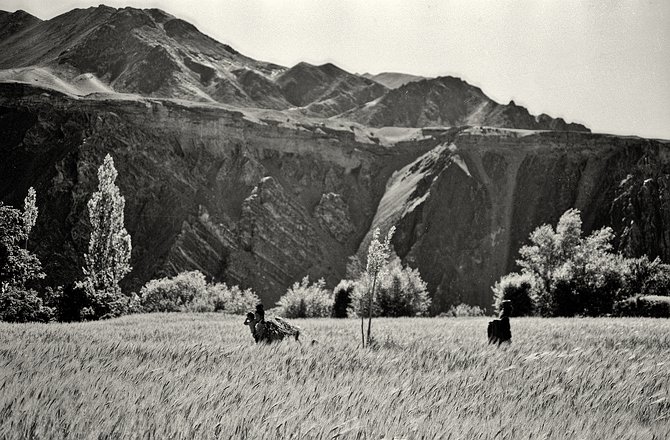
(271, 330)
(260, 312)
(499, 330)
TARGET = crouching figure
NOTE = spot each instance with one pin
(499, 330)
(271, 330)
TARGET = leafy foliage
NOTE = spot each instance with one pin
(645, 277)
(222, 298)
(17, 264)
(572, 274)
(651, 306)
(378, 252)
(463, 311)
(30, 210)
(24, 305)
(173, 294)
(109, 248)
(400, 292)
(305, 300)
(190, 292)
(567, 274)
(518, 289)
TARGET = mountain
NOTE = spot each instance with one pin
(141, 51)
(326, 90)
(148, 52)
(258, 175)
(14, 22)
(449, 101)
(393, 80)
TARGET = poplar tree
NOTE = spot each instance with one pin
(30, 210)
(109, 248)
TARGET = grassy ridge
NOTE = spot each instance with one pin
(200, 376)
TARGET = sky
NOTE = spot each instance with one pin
(603, 63)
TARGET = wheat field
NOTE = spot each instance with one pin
(201, 376)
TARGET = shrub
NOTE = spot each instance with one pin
(221, 298)
(518, 289)
(173, 294)
(189, 292)
(463, 310)
(652, 306)
(342, 298)
(400, 292)
(303, 300)
(24, 305)
(109, 303)
(644, 277)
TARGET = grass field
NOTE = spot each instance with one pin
(201, 376)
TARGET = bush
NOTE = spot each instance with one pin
(518, 289)
(644, 277)
(303, 300)
(173, 294)
(463, 311)
(342, 298)
(221, 298)
(651, 306)
(400, 291)
(189, 292)
(24, 305)
(109, 303)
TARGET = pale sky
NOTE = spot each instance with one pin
(603, 63)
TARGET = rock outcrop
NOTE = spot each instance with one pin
(332, 214)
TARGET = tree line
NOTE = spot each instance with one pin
(565, 273)
(107, 261)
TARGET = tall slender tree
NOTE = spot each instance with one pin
(30, 212)
(378, 254)
(109, 248)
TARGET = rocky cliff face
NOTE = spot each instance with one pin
(259, 202)
(463, 209)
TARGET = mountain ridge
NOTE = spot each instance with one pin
(150, 52)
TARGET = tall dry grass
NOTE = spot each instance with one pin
(200, 376)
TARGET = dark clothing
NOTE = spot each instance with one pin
(260, 313)
(499, 330)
